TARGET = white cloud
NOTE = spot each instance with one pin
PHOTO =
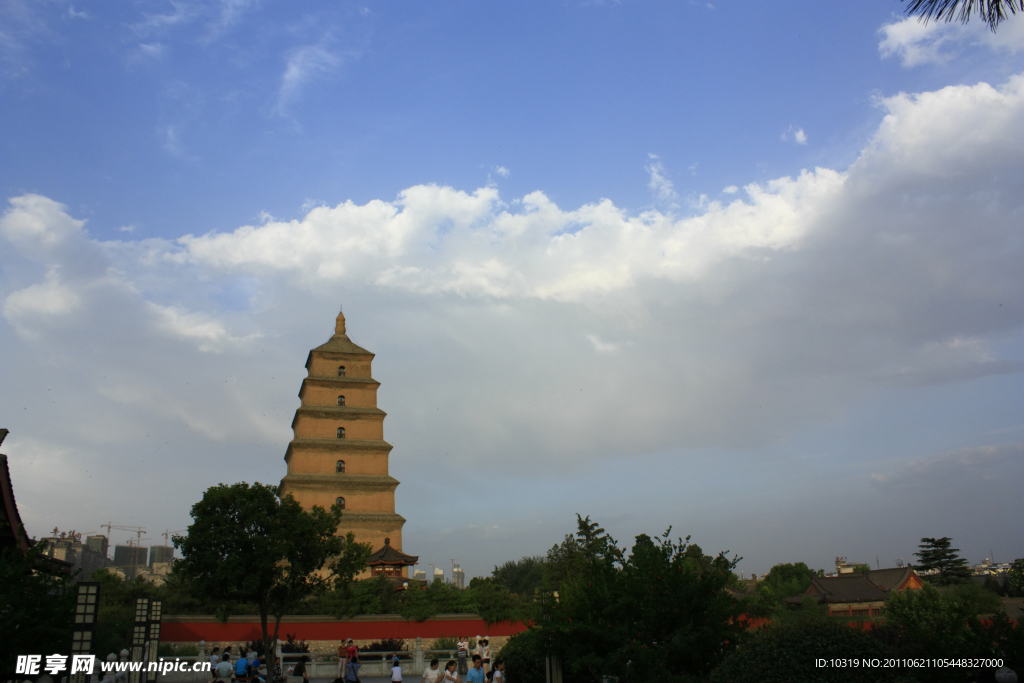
(602, 346)
(302, 65)
(659, 183)
(731, 189)
(502, 171)
(966, 472)
(795, 134)
(936, 42)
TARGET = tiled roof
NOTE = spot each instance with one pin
(12, 531)
(854, 587)
(388, 555)
(889, 579)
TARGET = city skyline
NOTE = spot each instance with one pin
(748, 272)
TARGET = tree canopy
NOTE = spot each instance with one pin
(662, 609)
(249, 544)
(936, 554)
(36, 607)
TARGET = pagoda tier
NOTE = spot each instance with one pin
(338, 453)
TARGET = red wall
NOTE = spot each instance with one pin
(181, 629)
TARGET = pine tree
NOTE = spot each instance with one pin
(935, 554)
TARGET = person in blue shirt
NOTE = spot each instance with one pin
(242, 668)
(476, 674)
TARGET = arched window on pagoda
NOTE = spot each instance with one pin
(341, 432)
(339, 467)
(341, 371)
(341, 400)
(340, 502)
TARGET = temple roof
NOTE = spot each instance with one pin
(388, 555)
(854, 587)
(12, 531)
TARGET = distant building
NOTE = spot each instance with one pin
(130, 555)
(160, 554)
(858, 594)
(68, 547)
(420, 575)
(438, 574)
(98, 544)
(458, 577)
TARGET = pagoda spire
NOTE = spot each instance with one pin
(339, 323)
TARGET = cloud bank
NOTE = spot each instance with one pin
(517, 335)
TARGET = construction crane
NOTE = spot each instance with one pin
(168, 534)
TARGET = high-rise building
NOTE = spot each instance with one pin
(130, 555)
(458, 577)
(338, 455)
(98, 544)
(160, 554)
(420, 575)
(438, 574)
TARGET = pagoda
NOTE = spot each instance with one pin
(338, 454)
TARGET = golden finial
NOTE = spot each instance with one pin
(339, 325)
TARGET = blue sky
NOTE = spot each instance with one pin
(749, 271)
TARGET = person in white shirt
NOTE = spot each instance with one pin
(432, 673)
(483, 649)
(396, 673)
(450, 674)
(499, 671)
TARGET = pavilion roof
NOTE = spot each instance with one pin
(390, 556)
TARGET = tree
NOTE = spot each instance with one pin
(246, 543)
(1015, 579)
(990, 11)
(657, 613)
(784, 580)
(36, 607)
(523, 577)
(781, 653)
(935, 554)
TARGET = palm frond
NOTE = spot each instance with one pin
(989, 11)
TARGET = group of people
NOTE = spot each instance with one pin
(247, 667)
(450, 674)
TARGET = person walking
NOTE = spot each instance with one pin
(476, 674)
(499, 671)
(432, 673)
(450, 674)
(396, 671)
(214, 661)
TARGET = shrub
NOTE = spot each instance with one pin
(385, 645)
(524, 656)
(291, 645)
(786, 653)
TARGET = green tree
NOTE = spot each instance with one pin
(936, 554)
(1015, 579)
(784, 580)
(249, 544)
(36, 607)
(654, 614)
(992, 12)
(523, 577)
(786, 653)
